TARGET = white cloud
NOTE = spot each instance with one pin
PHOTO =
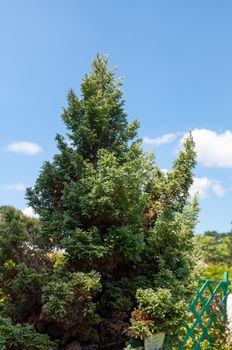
(24, 147)
(30, 213)
(200, 186)
(218, 189)
(213, 149)
(13, 187)
(203, 185)
(167, 138)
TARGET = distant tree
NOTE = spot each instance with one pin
(216, 247)
(216, 252)
(115, 238)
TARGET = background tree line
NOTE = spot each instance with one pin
(216, 252)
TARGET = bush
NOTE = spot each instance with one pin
(16, 336)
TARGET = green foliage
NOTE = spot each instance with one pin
(15, 230)
(58, 260)
(115, 237)
(216, 251)
(78, 288)
(22, 337)
(118, 295)
(55, 296)
(215, 272)
(157, 311)
(216, 247)
(219, 341)
(25, 277)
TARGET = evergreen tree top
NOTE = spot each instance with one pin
(98, 120)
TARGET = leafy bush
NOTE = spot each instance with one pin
(16, 336)
(157, 311)
(56, 295)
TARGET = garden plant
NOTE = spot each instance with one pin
(111, 257)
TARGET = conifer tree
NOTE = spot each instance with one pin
(117, 230)
(87, 202)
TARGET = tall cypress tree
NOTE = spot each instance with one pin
(123, 226)
(90, 198)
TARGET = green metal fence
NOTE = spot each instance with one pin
(207, 312)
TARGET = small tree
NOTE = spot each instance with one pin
(117, 230)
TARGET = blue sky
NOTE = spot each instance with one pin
(176, 59)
